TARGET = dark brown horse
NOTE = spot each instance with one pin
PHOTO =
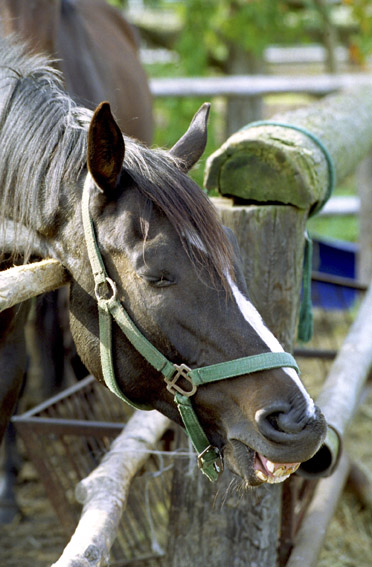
(176, 270)
(97, 51)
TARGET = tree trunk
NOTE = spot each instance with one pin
(241, 110)
(329, 34)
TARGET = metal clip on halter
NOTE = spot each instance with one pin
(217, 459)
(182, 370)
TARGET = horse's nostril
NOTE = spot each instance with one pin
(288, 422)
(278, 422)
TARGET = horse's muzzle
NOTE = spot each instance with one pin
(277, 445)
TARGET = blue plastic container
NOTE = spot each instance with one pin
(338, 258)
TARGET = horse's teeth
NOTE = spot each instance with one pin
(270, 466)
(261, 475)
(280, 471)
(276, 480)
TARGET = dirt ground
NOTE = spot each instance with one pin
(34, 538)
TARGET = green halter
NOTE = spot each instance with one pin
(209, 457)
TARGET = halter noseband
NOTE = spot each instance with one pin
(209, 457)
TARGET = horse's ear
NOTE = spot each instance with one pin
(191, 146)
(105, 148)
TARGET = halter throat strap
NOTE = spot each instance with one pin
(109, 307)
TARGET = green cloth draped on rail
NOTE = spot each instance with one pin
(305, 324)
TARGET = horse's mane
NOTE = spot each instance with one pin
(43, 143)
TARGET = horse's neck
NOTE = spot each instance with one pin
(35, 22)
(84, 69)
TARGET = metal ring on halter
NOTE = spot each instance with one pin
(110, 288)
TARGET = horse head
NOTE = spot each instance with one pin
(177, 272)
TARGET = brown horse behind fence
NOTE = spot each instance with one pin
(97, 52)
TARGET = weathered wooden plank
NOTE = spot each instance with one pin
(303, 54)
(24, 282)
(277, 164)
(223, 525)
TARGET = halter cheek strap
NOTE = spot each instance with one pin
(109, 307)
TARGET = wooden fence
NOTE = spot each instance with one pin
(285, 173)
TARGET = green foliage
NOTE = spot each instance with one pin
(117, 3)
(211, 28)
(361, 39)
(339, 227)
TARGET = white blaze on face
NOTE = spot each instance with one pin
(252, 316)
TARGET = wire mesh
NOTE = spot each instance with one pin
(67, 436)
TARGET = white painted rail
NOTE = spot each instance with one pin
(256, 85)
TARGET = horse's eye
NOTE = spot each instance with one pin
(161, 280)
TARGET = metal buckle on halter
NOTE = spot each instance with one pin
(218, 462)
(183, 371)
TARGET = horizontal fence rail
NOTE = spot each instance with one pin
(256, 85)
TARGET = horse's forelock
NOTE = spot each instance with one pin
(44, 143)
(159, 177)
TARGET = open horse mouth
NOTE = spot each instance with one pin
(270, 472)
(254, 468)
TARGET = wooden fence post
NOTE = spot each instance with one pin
(266, 167)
